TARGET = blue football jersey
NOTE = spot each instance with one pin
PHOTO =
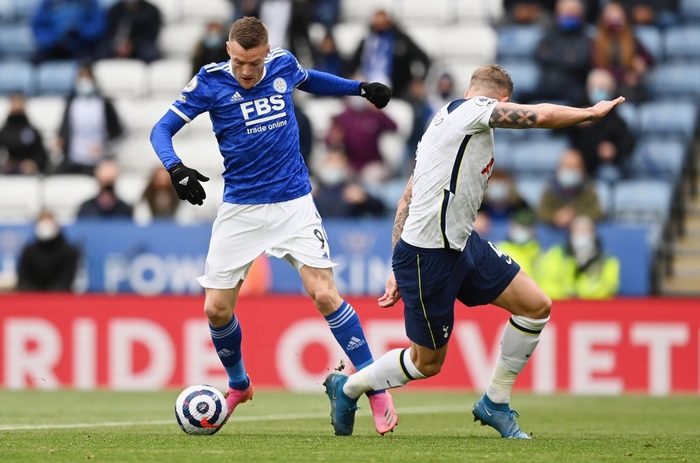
(256, 128)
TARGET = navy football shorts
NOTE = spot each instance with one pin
(430, 280)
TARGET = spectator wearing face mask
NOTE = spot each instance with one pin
(443, 93)
(564, 56)
(356, 131)
(89, 128)
(390, 56)
(211, 48)
(336, 194)
(521, 243)
(502, 200)
(50, 263)
(106, 205)
(159, 199)
(579, 268)
(326, 56)
(618, 50)
(606, 143)
(570, 193)
(25, 149)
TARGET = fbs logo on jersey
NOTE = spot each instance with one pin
(236, 97)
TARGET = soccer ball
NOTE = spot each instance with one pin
(201, 409)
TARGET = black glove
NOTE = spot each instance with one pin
(186, 183)
(377, 94)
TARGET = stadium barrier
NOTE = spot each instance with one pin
(162, 258)
(124, 342)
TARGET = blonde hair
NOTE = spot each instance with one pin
(492, 76)
(248, 32)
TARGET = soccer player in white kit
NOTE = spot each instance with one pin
(267, 205)
(439, 258)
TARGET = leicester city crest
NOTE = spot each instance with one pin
(280, 85)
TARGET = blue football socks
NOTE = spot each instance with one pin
(345, 326)
(227, 341)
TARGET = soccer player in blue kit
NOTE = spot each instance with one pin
(438, 257)
(267, 205)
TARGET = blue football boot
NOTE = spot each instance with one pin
(342, 407)
(498, 416)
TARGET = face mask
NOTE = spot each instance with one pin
(497, 191)
(46, 230)
(357, 104)
(85, 87)
(569, 178)
(569, 23)
(598, 94)
(212, 41)
(615, 25)
(520, 235)
(332, 176)
(582, 242)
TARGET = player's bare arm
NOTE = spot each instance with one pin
(391, 292)
(402, 212)
(547, 116)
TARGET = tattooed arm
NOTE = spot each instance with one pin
(391, 292)
(547, 116)
(402, 212)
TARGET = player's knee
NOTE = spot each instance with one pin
(218, 313)
(543, 307)
(429, 368)
(327, 300)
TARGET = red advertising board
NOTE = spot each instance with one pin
(129, 342)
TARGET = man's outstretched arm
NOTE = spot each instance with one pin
(546, 115)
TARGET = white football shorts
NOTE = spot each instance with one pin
(290, 230)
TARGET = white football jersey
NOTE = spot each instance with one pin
(453, 164)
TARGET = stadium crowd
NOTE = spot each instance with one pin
(82, 82)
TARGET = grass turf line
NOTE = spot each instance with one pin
(565, 428)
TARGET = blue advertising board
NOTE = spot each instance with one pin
(164, 258)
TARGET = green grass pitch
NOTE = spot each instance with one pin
(73, 426)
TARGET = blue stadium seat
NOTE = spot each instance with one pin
(538, 158)
(7, 11)
(518, 42)
(17, 41)
(642, 201)
(56, 77)
(689, 10)
(504, 156)
(106, 4)
(531, 190)
(629, 112)
(650, 37)
(25, 8)
(509, 135)
(17, 77)
(683, 43)
(658, 158)
(675, 80)
(668, 118)
(525, 75)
